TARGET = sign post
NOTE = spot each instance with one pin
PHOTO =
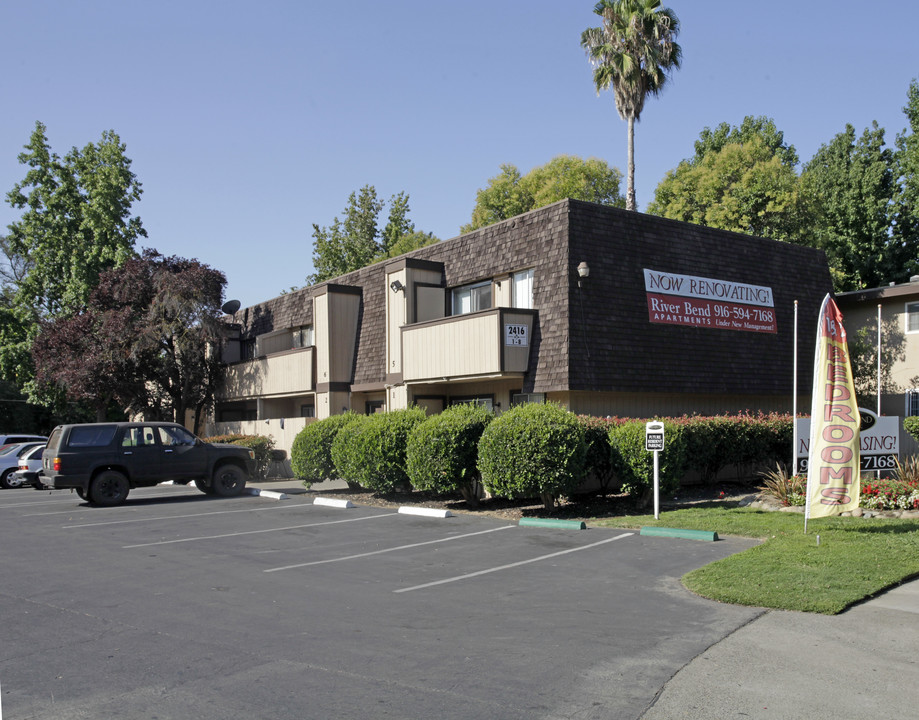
(654, 443)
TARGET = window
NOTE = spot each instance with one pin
(472, 298)
(247, 349)
(308, 411)
(91, 436)
(486, 401)
(302, 337)
(173, 436)
(912, 317)
(522, 286)
(518, 398)
(912, 403)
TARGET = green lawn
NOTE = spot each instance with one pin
(855, 559)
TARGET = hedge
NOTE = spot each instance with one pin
(634, 466)
(259, 444)
(533, 450)
(442, 451)
(371, 450)
(311, 452)
(911, 425)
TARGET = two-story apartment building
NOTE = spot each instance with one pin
(897, 306)
(605, 311)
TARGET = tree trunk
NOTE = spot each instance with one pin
(630, 191)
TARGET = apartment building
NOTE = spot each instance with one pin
(897, 307)
(605, 311)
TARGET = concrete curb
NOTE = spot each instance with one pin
(553, 523)
(333, 502)
(427, 512)
(270, 494)
(678, 533)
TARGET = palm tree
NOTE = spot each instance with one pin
(633, 51)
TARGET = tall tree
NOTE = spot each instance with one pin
(851, 186)
(633, 52)
(351, 244)
(906, 228)
(741, 179)
(565, 176)
(76, 220)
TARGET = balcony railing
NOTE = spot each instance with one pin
(489, 343)
(286, 373)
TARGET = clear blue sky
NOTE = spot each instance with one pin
(247, 122)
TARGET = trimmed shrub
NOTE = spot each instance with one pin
(635, 466)
(259, 444)
(311, 453)
(911, 425)
(533, 450)
(442, 451)
(599, 460)
(346, 459)
(371, 451)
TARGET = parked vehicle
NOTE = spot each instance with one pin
(19, 438)
(103, 461)
(9, 460)
(29, 467)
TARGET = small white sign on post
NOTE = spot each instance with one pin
(654, 442)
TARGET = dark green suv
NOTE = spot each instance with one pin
(103, 461)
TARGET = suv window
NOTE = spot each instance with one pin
(172, 436)
(138, 437)
(92, 436)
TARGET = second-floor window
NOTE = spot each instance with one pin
(302, 337)
(522, 284)
(247, 348)
(912, 317)
(471, 298)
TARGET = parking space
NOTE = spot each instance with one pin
(299, 610)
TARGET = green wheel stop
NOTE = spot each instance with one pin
(549, 522)
(678, 533)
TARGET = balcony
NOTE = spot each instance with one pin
(492, 343)
(291, 372)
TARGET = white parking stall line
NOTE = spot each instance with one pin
(387, 550)
(261, 508)
(257, 532)
(511, 565)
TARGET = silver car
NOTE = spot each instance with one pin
(9, 460)
(29, 467)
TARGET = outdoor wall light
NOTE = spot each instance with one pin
(396, 286)
(583, 273)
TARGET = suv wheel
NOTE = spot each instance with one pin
(228, 481)
(109, 488)
(204, 487)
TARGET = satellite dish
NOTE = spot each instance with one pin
(230, 306)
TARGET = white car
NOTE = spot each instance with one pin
(29, 467)
(9, 460)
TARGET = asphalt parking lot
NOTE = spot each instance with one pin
(177, 605)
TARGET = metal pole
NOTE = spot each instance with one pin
(879, 359)
(657, 488)
(794, 399)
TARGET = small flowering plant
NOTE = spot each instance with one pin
(900, 492)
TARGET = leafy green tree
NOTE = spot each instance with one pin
(76, 220)
(565, 176)
(351, 244)
(740, 179)
(906, 229)
(633, 52)
(851, 186)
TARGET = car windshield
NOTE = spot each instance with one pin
(7, 449)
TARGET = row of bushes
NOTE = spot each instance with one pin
(533, 450)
